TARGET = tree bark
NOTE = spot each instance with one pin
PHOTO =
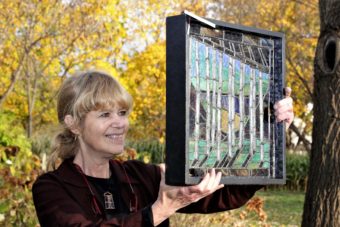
(322, 201)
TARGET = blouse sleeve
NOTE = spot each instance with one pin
(228, 198)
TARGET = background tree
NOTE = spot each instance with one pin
(42, 41)
(323, 188)
(144, 73)
(148, 116)
(298, 20)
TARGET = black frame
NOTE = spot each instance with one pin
(177, 93)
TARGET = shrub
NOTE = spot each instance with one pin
(18, 170)
(148, 151)
(297, 171)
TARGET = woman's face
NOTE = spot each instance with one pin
(103, 132)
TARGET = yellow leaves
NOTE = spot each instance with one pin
(94, 33)
(12, 170)
(145, 79)
(54, 38)
(146, 158)
(161, 140)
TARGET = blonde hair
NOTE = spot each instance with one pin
(78, 95)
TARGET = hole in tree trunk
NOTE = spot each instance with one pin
(330, 54)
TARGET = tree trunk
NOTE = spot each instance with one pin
(322, 202)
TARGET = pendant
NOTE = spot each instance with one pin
(109, 203)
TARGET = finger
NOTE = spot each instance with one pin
(162, 167)
(289, 118)
(202, 185)
(213, 184)
(280, 116)
(212, 179)
(217, 181)
(283, 116)
(288, 91)
(284, 109)
(284, 102)
(209, 184)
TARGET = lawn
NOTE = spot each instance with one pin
(274, 208)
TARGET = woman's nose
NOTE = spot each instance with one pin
(118, 121)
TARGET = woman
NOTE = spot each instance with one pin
(90, 189)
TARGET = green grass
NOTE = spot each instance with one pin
(283, 208)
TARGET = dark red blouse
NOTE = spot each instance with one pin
(62, 198)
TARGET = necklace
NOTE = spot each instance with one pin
(133, 205)
(108, 197)
(108, 200)
(109, 203)
(104, 187)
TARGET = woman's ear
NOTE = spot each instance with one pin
(70, 123)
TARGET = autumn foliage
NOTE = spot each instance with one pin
(254, 205)
(44, 41)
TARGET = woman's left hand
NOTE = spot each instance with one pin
(284, 109)
(172, 198)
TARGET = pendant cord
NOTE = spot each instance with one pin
(133, 199)
(95, 206)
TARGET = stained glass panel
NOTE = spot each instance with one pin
(223, 93)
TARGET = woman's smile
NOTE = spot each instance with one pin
(117, 138)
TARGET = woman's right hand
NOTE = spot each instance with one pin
(172, 198)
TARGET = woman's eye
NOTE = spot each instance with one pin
(122, 113)
(105, 114)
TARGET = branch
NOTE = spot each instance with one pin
(14, 78)
(302, 137)
(304, 82)
(308, 4)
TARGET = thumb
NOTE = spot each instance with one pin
(162, 168)
(288, 91)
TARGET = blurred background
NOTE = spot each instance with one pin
(44, 41)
